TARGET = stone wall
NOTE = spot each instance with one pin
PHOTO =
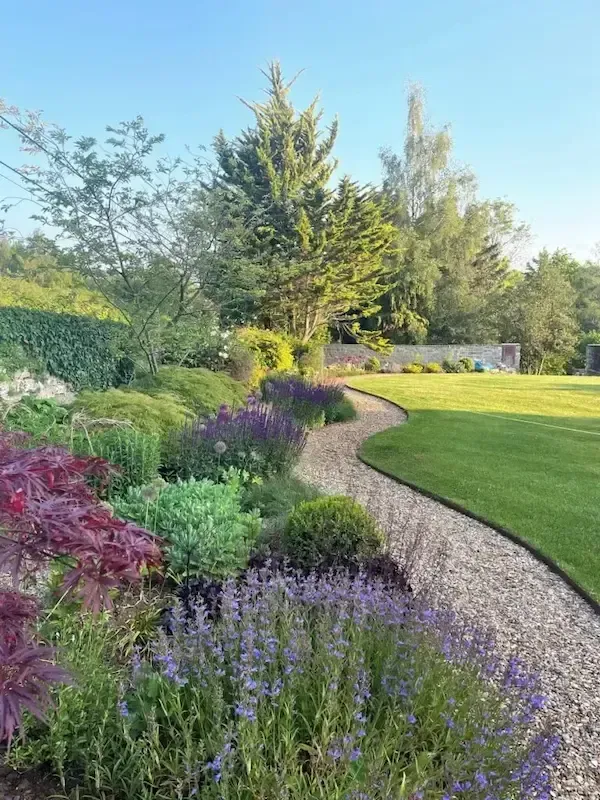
(23, 384)
(507, 354)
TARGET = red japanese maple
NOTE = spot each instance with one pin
(49, 511)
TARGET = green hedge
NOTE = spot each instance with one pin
(85, 352)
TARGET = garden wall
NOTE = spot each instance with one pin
(508, 354)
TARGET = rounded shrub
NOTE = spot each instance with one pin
(342, 410)
(467, 363)
(433, 367)
(330, 532)
(414, 369)
(160, 413)
(448, 365)
(271, 350)
(200, 390)
(278, 495)
(241, 364)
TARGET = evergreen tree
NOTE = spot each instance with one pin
(320, 249)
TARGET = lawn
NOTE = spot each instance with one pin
(470, 438)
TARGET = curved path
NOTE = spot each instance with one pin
(486, 577)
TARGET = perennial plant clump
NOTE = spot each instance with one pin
(259, 440)
(323, 686)
(312, 404)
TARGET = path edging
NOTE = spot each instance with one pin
(506, 532)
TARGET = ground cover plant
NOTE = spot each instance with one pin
(522, 451)
(323, 686)
(259, 440)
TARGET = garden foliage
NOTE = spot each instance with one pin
(135, 454)
(312, 404)
(272, 350)
(84, 352)
(206, 533)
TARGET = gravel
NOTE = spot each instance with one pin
(488, 578)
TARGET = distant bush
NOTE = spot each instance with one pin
(258, 440)
(159, 413)
(136, 454)
(241, 364)
(273, 352)
(433, 367)
(205, 529)
(310, 359)
(311, 404)
(415, 368)
(330, 532)
(467, 363)
(84, 352)
(449, 365)
(373, 364)
(200, 390)
(277, 496)
(342, 410)
(74, 299)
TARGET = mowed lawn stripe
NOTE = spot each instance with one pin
(541, 481)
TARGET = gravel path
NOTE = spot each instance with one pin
(487, 577)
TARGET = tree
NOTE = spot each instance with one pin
(320, 250)
(543, 316)
(450, 262)
(143, 230)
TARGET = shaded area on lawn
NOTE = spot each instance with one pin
(541, 482)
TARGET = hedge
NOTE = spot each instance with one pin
(84, 352)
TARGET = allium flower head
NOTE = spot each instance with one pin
(220, 448)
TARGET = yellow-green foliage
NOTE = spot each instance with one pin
(21, 293)
(272, 350)
(160, 413)
(199, 389)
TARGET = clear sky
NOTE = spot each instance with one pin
(519, 81)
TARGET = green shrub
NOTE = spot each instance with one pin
(342, 410)
(271, 350)
(414, 369)
(277, 496)
(42, 418)
(200, 390)
(241, 365)
(206, 531)
(74, 299)
(433, 367)
(160, 413)
(467, 363)
(136, 453)
(330, 532)
(310, 359)
(373, 364)
(449, 365)
(84, 352)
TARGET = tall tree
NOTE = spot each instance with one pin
(320, 249)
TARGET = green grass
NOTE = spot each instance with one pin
(469, 438)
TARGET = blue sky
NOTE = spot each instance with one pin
(519, 81)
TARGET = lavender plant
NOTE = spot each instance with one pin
(312, 404)
(326, 687)
(258, 440)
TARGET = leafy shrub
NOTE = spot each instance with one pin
(205, 530)
(159, 413)
(241, 364)
(467, 363)
(136, 454)
(42, 418)
(271, 350)
(433, 367)
(310, 359)
(200, 342)
(47, 511)
(330, 531)
(414, 369)
(277, 496)
(200, 390)
(373, 364)
(13, 358)
(329, 688)
(73, 299)
(259, 440)
(84, 352)
(449, 365)
(341, 411)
